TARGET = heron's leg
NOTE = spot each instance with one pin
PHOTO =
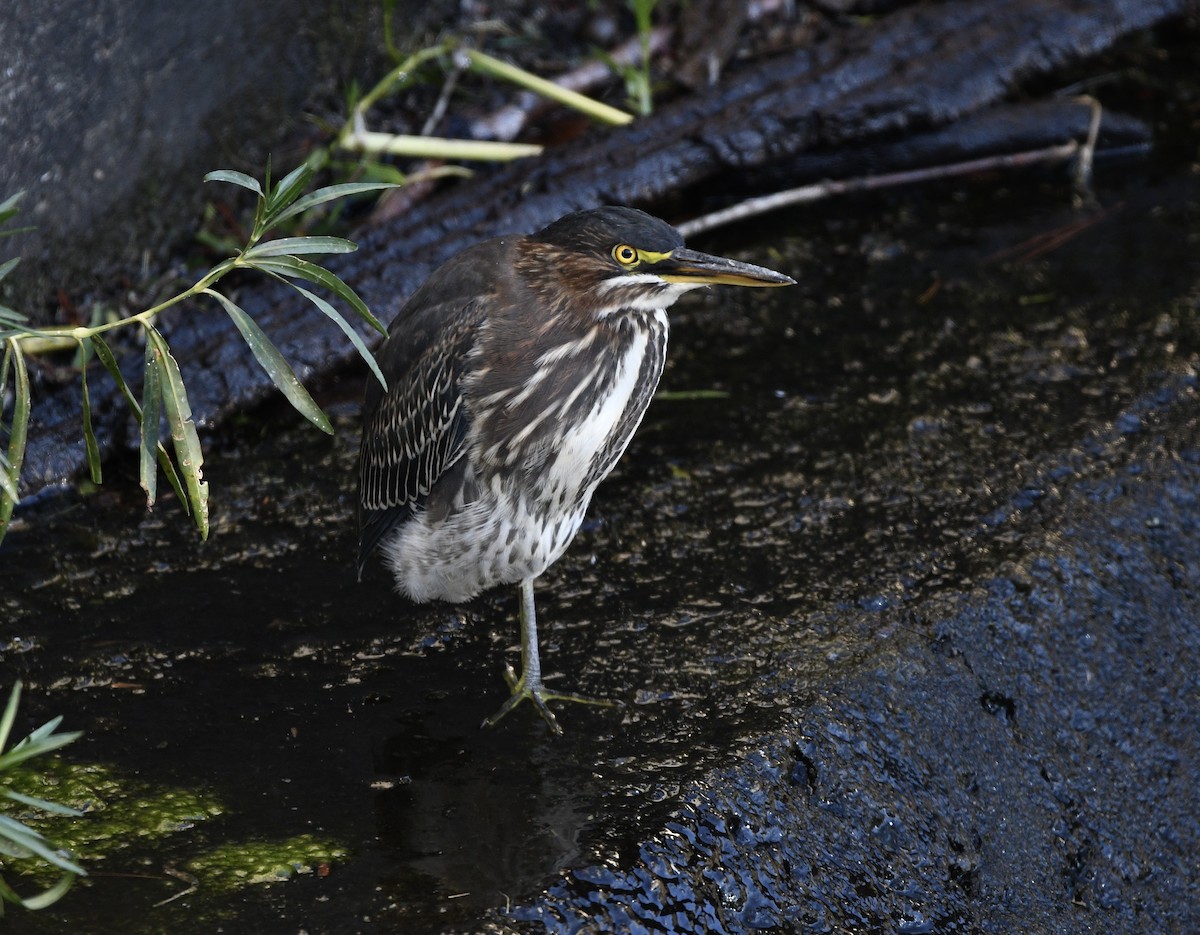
(529, 685)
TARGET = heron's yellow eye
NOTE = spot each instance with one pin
(625, 254)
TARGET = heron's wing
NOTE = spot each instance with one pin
(417, 429)
(414, 432)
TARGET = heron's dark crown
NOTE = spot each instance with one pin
(600, 229)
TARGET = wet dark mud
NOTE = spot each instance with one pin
(897, 584)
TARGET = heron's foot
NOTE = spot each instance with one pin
(533, 690)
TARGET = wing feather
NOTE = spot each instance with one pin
(415, 431)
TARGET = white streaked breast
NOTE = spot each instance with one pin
(581, 444)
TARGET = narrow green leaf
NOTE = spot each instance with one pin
(7, 267)
(289, 188)
(8, 895)
(8, 210)
(32, 747)
(151, 422)
(383, 172)
(296, 268)
(52, 894)
(46, 730)
(289, 245)
(259, 226)
(274, 364)
(331, 193)
(277, 201)
(172, 476)
(10, 713)
(26, 837)
(8, 207)
(353, 335)
(89, 431)
(8, 478)
(18, 433)
(8, 486)
(164, 460)
(11, 316)
(44, 804)
(14, 325)
(5, 363)
(12, 231)
(188, 452)
(104, 354)
(235, 178)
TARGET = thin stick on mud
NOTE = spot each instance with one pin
(1083, 154)
(819, 190)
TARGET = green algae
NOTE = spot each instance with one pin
(231, 866)
(124, 818)
(119, 812)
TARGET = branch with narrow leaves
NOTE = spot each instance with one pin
(163, 393)
(17, 839)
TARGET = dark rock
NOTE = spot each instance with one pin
(107, 104)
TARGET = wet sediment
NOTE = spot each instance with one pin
(901, 605)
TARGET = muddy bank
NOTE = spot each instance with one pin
(1008, 759)
(905, 603)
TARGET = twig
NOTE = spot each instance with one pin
(192, 881)
(482, 62)
(443, 101)
(433, 147)
(508, 122)
(437, 148)
(1081, 173)
(1047, 241)
(1081, 178)
(815, 192)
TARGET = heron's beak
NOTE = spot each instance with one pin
(689, 266)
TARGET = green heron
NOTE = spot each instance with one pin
(516, 376)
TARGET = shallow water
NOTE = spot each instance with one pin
(893, 426)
